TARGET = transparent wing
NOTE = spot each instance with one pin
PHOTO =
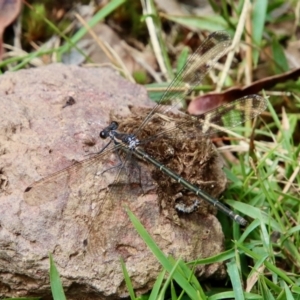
(72, 178)
(125, 189)
(232, 114)
(128, 180)
(197, 66)
(228, 115)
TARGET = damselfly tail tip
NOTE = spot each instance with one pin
(240, 220)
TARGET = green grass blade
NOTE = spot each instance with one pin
(210, 23)
(288, 293)
(168, 281)
(254, 213)
(265, 291)
(157, 286)
(185, 285)
(235, 279)
(216, 258)
(55, 282)
(173, 291)
(269, 265)
(230, 295)
(258, 25)
(128, 281)
(280, 62)
(158, 43)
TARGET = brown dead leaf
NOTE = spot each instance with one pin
(211, 100)
(9, 10)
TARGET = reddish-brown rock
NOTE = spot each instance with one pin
(42, 130)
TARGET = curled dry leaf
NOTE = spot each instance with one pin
(9, 10)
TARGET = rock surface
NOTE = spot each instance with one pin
(50, 118)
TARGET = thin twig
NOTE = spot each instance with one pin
(248, 67)
(235, 42)
(148, 12)
(108, 51)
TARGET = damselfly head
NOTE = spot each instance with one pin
(105, 132)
